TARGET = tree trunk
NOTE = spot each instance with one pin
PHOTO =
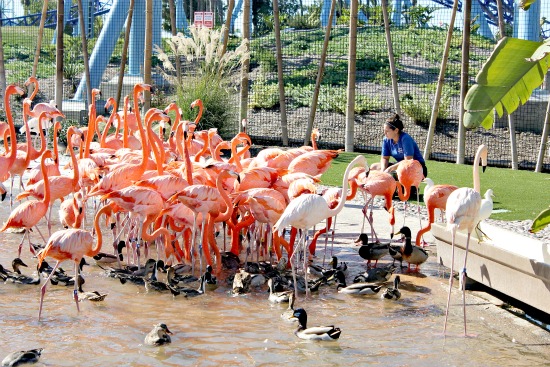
(282, 103)
(467, 11)
(352, 64)
(544, 139)
(227, 29)
(440, 83)
(59, 54)
(2, 69)
(393, 71)
(320, 73)
(246, 64)
(148, 50)
(124, 55)
(85, 53)
(174, 29)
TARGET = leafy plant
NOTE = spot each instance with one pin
(212, 77)
(419, 15)
(419, 108)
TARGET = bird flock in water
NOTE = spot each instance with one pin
(157, 182)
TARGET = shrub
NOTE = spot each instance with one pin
(419, 108)
(212, 78)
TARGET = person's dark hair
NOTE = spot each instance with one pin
(394, 122)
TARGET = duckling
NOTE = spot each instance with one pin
(105, 258)
(277, 297)
(22, 357)
(393, 292)
(371, 251)
(328, 333)
(412, 254)
(159, 335)
(288, 315)
(17, 277)
(376, 275)
(93, 296)
(355, 288)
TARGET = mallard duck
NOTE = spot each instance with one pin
(371, 251)
(412, 254)
(329, 333)
(153, 284)
(159, 335)
(17, 277)
(355, 288)
(210, 280)
(105, 258)
(396, 252)
(22, 357)
(230, 260)
(393, 292)
(136, 276)
(376, 275)
(189, 292)
(343, 266)
(277, 297)
(288, 315)
(313, 285)
(93, 296)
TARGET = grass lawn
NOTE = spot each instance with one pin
(519, 195)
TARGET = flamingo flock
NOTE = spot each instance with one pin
(157, 182)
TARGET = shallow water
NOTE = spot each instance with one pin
(244, 330)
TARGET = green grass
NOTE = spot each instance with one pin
(520, 193)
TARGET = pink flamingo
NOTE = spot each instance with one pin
(462, 212)
(70, 244)
(6, 161)
(435, 197)
(29, 213)
(314, 162)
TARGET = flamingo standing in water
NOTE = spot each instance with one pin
(6, 161)
(70, 244)
(29, 213)
(309, 209)
(462, 212)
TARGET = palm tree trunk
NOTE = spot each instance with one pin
(320, 73)
(467, 11)
(85, 53)
(393, 71)
(246, 64)
(59, 54)
(352, 65)
(282, 104)
(124, 55)
(148, 50)
(440, 82)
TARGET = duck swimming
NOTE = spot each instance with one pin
(328, 333)
(93, 296)
(393, 292)
(288, 315)
(105, 258)
(371, 251)
(376, 275)
(412, 254)
(158, 336)
(22, 357)
(277, 297)
(17, 277)
(355, 288)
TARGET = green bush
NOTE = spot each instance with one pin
(264, 94)
(419, 108)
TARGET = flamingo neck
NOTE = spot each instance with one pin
(157, 147)
(222, 217)
(345, 185)
(125, 122)
(477, 184)
(95, 250)
(46, 199)
(76, 176)
(13, 138)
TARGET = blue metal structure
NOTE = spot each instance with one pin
(100, 7)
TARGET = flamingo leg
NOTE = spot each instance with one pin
(75, 292)
(453, 234)
(21, 243)
(43, 288)
(193, 240)
(463, 275)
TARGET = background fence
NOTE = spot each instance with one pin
(418, 35)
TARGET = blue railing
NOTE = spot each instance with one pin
(100, 7)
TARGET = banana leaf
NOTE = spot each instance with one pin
(526, 4)
(505, 81)
(541, 221)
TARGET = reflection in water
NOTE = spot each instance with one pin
(244, 330)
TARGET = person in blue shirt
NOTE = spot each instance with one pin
(399, 145)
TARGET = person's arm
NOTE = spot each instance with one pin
(408, 146)
(384, 163)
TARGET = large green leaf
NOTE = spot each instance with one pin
(507, 79)
(526, 4)
(541, 221)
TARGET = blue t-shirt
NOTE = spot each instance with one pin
(405, 146)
